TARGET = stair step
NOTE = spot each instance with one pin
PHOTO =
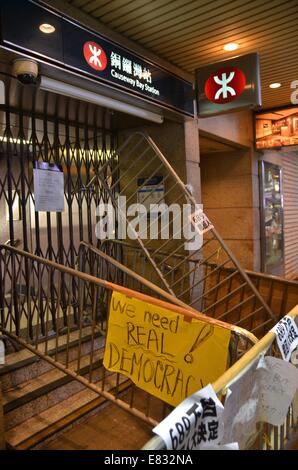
(25, 357)
(24, 365)
(43, 384)
(49, 422)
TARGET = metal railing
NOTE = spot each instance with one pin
(270, 437)
(223, 294)
(42, 304)
(169, 262)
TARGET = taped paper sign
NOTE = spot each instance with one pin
(197, 422)
(161, 352)
(48, 187)
(286, 332)
(263, 394)
(278, 382)
(200, 221)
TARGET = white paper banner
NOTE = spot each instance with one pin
(195, 423)
(263, 394)
(286, 332)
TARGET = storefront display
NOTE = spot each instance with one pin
(277, 128)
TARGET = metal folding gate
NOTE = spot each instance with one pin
(39, 126)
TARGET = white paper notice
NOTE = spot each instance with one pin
(197, 422)
(240, 413)
(263, 394)
(278, 382)
(286, 332)
(48, 188)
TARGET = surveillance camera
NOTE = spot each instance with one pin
(26, 70)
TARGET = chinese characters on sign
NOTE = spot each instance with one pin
(132, 72)
(200, 222)
(286, 332)
(195, 423)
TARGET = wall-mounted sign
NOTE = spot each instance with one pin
(228, 85)
(276, 128)
(72, 46)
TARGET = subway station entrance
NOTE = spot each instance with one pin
(74, 376)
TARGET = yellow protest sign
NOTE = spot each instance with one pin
(161, 352)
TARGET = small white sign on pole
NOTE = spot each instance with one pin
(196, 423)
(48, 187)
(286, 332)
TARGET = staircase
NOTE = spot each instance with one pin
(40, 400)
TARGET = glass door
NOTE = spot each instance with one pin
(272, 237)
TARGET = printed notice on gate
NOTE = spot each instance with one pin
(48, 187)
(286, 332)
(161, 352)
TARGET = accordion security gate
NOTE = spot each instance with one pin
(49, 128)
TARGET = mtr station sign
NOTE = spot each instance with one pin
(73, 47)
(229, 85)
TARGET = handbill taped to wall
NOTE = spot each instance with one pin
(263, 394)
(161, 352)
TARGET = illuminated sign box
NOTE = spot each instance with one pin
(74, 47)
(228, 85)
(276, 128)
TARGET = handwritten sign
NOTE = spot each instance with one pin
(263, 394)
(195, 423)
(286, 332)
(161, 352)
(278, 382)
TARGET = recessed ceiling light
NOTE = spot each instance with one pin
(231, 46)
(275, 85)
(47, 28)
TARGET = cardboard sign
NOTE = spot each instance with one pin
(161, 352)
(286, 332)
(195, 423)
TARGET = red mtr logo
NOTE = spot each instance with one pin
(225, 85)
(95, 56)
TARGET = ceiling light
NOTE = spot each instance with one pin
(47, 28)
(231, 46)
(65, 89)
(275, 85)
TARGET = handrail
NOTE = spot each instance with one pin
(270, 277)
(131, 293)
(234, 372)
